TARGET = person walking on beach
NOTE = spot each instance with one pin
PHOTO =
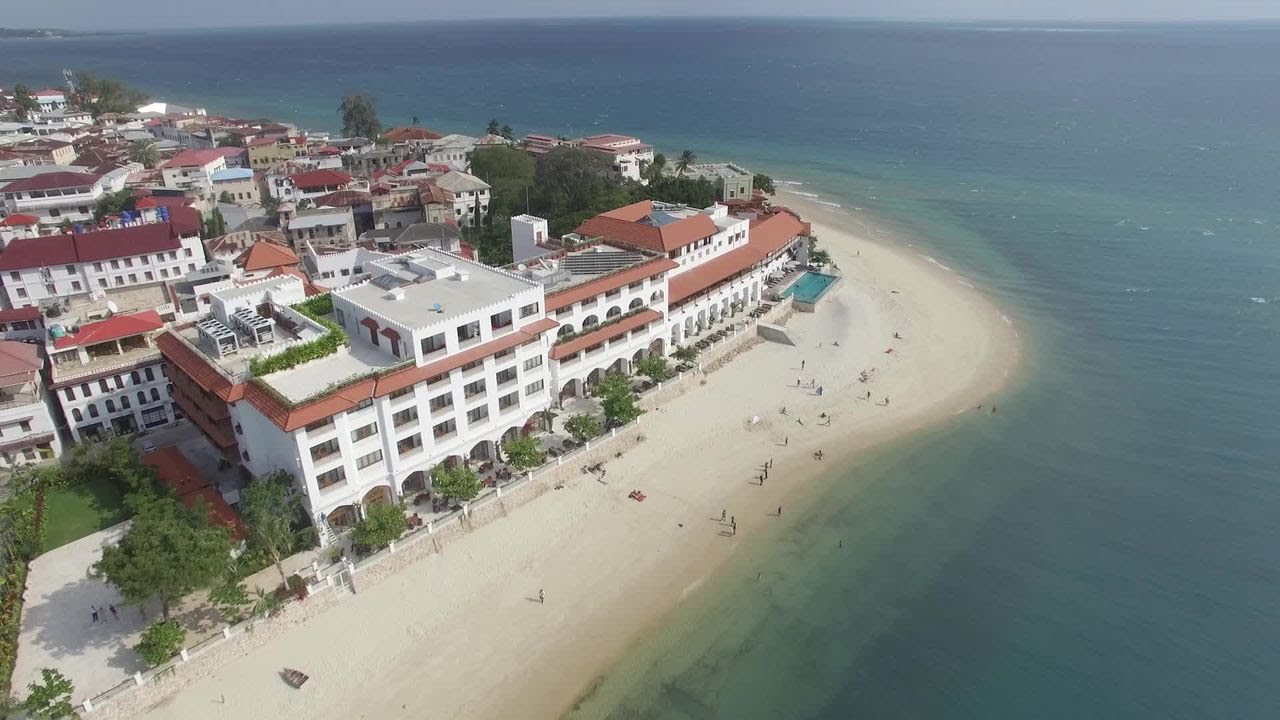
(784, 407)
(93, 612)
(886, 401)
(786, 441)
(779, 511)
(993, 409)
(542, 599)
(114, 615)
(801, 364)
(722, 515)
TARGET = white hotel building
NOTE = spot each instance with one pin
(446, 359)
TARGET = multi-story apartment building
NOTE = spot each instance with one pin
(239, 183)
(275, 150)
(470, 196)
(731, 181)
(55, 197)
(193, 169)
(446, 359)
(722, 260)
(109, 376)
(58, 152)
(28, 432)
(334, 227)
(627, 155)
(307, 185)
(163, 246)
(610, 303)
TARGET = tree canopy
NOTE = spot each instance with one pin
(101, 95)
(617, 399)
(524, 453)
(583, 427)
(167, 552)
(764, 183)
(145, 152)
(160, 642)
(24, 102)
(270, 509)
(359, 116)
(458, 482)
(50, 699)
(687, 159)
(382, 524)
(114, 203)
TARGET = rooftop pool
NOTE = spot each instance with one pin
(809, 287)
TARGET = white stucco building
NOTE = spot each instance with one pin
(28, 430)
(470, 196)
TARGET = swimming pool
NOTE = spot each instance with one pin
(809, 287)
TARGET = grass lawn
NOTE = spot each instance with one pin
(71, 513)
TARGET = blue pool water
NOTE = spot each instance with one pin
(809, 287)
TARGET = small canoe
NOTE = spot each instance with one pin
(295, 678)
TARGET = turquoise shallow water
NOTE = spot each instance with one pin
(809, 287)
(1105, 546)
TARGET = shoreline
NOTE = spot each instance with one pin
(456, 634)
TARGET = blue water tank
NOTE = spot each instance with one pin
(57, 331)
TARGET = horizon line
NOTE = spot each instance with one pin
(741, 18)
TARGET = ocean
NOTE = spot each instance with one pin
(1106, 548)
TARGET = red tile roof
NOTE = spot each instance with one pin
(342, 198)
(113, 328)
(52, 181)
(98, 245)
(176, 471)
(220, 513)
(19, 362)
(31, 312)
(626, 276)
(267, 255)
(19, 220)
(193, 158)
(48, 92)
(320, 178)
(766, 238)
(402, 134)
(625, 225)
(612, 330)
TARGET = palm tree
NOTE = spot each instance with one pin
(145, 152)
(495, 128)
(415, 121)
(687, 159)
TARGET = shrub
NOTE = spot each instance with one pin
(314, 308)
(583, 427)
(688, 353)
(50, 699)
(382, 524)
(160, 642)
(523, 453)
(654, 367)
(458, 482)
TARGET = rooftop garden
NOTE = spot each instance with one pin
(316, 309)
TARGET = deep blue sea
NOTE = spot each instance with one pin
(1110, 546)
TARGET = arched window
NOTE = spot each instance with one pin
(591, 321)
(124, 402)
(111, 405)
(656, 296)
(77, 415)
(93, 410)
(135, 378)
(564, 330)
(142, 398)
(635, 304)
(155, 394)
(614, 312)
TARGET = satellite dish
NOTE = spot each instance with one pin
(522, 267)
(437, 307)
(112, 307)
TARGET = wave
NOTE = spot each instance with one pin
(1032, 29)
(931, 259)
(829, 204)
(1260, 301)
(790, 182)
(801, 194)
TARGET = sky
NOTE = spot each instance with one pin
(157, 14)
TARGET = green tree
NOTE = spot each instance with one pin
(50, 699)
(617, 399)
(653, 367)
(160, 642)
(687, 353)
(694, 192)
(230, 599)
(215, 225)
(226, 198)
(508, 133)
(269, 204)
(458, 482)
(524, 453)
(114, 203)
(415, 121)
(145, 152)
(569, 180)
(167, 553)
(270, 509)
(687, 159)
(764, 183)
(359, 116)
(264, 602)
(382, 523)
(228, 141)
(657, 167)
(24, 102)
(510, 173)
(583, 427)
(494, 128)
(817, 256)
(101, 95)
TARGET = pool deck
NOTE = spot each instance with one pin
(802, 305)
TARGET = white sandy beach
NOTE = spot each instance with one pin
(460, 634)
